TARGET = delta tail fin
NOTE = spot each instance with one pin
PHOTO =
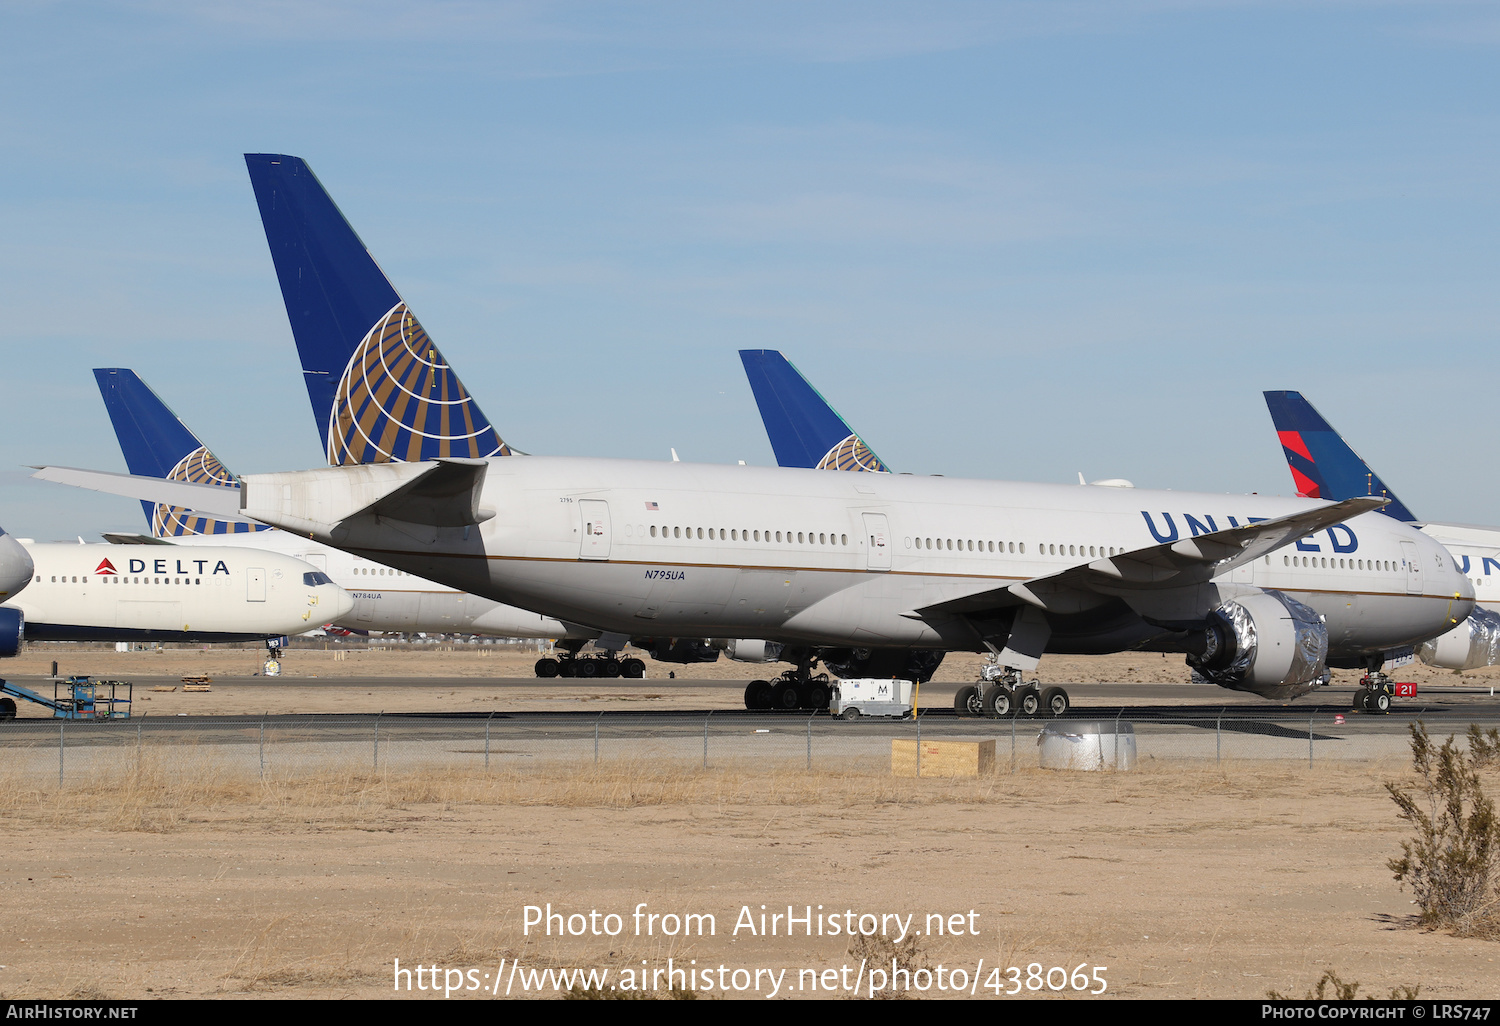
(156, 443)
(1323, 465)
(380, 390)
(804, 429)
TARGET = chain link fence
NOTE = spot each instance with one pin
(74, 753)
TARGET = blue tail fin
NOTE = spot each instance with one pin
(380, 390)
(804, 430)
(157, 444)
(1322, 464)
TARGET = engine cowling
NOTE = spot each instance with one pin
(1268, 644)
(1470, 645)
(12, 631)
(752, 650)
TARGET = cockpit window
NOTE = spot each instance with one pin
(315, 578)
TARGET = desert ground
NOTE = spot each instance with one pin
(1181, 880)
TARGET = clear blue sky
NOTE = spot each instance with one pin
(1011, 240)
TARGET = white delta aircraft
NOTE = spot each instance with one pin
(873, 574)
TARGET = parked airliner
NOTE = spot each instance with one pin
(879, 574)
(1324, 466)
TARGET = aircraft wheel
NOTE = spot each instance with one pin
(611, 668)
(1055, 701)
(784, 696)
(758, 695)
(1031, 702)
(547, 667)
(817, 696)
(633, 668)
(7, 708)
(587, 667)
(999, 702)
(966, 702)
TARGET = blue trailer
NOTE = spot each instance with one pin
(73, 698)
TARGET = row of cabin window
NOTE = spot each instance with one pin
(106, 579)
(368, 571)
(735, 534)
(962, 545)
(1385, 565)
(1049, 549)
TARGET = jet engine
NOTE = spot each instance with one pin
(12, 631)
(1268, 644)
(752, 650)
(1470, 645)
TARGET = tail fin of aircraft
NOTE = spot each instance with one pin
(380, 390)
(804, 430)
(1323, 465)
(156, 443)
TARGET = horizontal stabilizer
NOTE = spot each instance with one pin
(1175, 564)
(438, 493)
(212, 500)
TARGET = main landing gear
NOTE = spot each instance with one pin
(1374, 694)
(1001, 693)
(794, 689)
(569, 663)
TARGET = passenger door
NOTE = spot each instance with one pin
(594, 541)
(877, 542)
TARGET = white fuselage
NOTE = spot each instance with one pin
(16, 568)
(1476, 551)
(830, 559)
(387, 599)
(159, 593)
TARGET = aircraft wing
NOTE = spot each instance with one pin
(213, 500)
(1177, 564)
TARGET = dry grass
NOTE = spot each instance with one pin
(170, 787)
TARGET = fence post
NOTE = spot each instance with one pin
(60, 753)
(487, 719)
(375, 759)
(919, 743)
(138, 748)
(1309, 742)
(263, 744)
(596, 737)
(1013, 738)
(809, 737)
(1118, 714)
(1219, 738)
(705, 739)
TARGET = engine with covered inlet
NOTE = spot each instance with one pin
(1267, 643)
(1470, 645)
